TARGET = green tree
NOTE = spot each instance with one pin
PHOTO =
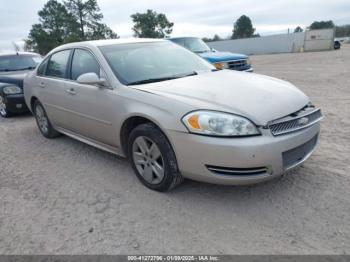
(56, 27)
(322, 25)
(73, 21)
(206, 39)
(298, 29)
(151, 25)
(217, 38)
(243, 28)
(28, 45)
(342, 31)
(88, 17)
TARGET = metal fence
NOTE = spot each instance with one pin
(311, 40)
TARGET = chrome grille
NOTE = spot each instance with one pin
(299, 120)
(237, 64)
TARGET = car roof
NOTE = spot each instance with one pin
(106, 42)
(18, 53)
(182, 37)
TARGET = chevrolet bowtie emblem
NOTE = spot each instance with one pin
(303, 121)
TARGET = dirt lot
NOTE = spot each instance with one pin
(64, 197)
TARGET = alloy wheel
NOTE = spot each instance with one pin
(148, 160)
(3, 109)
(41, 117)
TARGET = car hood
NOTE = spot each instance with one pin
(215, 57)
(13, 77)
(257, 97)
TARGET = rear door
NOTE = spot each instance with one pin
(51, 80)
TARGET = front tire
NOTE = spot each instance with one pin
(43, 121)
(4, 112)
(153, 158)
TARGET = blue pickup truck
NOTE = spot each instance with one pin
(221, 60)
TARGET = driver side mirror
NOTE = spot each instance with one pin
(91, 79)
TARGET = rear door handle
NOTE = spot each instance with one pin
(71, 91)
(42, 84)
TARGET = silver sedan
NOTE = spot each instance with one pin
(172, 113)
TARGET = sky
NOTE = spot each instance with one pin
(202, 18)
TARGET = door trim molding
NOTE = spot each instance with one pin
(80, 114)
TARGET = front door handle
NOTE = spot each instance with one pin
(71, 91)
(42, 84)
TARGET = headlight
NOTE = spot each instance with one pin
(221, 66)
(219, 124)
(249, 62)
(10, 90)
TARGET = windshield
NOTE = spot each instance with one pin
(18, 62)
(196, 45)
(139, 63)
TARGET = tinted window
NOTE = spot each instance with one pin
(18, 62)
(196, 45)
(57, 66)
(179, 41)
(145, 61)
(84, 62)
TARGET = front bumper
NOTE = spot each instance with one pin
(16, 103)
(196, 153)
(249, 69)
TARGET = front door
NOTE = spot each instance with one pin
(90, 106)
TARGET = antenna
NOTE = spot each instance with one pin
(16, 47)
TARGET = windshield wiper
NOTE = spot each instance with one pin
(160, 79)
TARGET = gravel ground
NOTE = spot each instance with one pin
(64, 197)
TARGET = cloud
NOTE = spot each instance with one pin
(191, 17)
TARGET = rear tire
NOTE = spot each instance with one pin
(153, 158)
(43, 121)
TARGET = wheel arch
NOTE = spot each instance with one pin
(132, 122)
(33, 99)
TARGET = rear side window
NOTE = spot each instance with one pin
(57, 66)
(84, 62)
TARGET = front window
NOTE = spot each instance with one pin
(58, 63)
(84, 62)
(139, 63)
(18, 62)
(196, 45)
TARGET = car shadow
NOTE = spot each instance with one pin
(16, 117)
(278, 190)
(280, 183)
